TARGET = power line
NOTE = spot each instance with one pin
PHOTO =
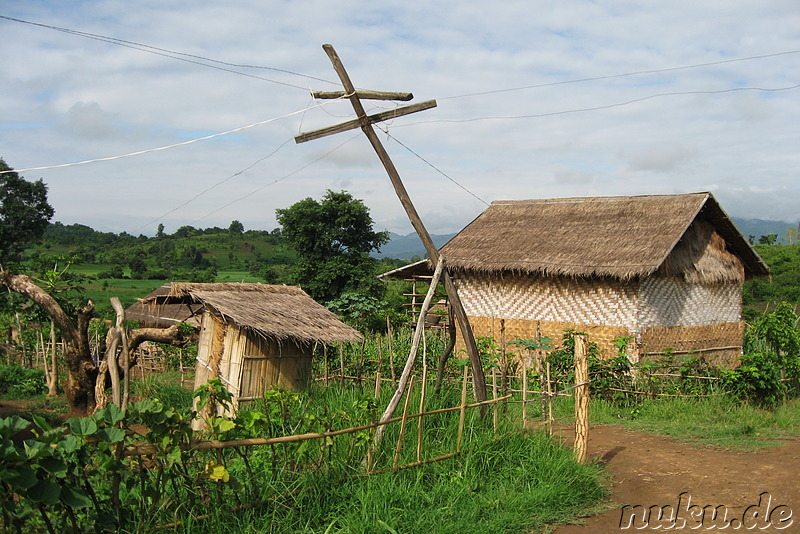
(434, 167)
(203, 192)
(609, 106)
(140, 152)
(326, 154)
(634, 73)
(172, 54)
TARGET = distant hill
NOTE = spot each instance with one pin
(759, 227)
(405, 247)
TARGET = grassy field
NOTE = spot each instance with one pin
(706, 422)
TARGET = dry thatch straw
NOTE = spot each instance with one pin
(271, 311)
(154, 312)
(620, 237)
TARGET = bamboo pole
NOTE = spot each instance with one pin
(462, 410)
(145, 449)
(377, 394)
(494, 396)
(341, 364)
(325, 363)
(581, 399)
(420, 427)
(524, 391)
(403, 421)
(412, 354)
(503, 358)
(549, 400)
(390, 348)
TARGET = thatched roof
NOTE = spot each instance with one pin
(272, 311)
(620, 237)
(156, 313)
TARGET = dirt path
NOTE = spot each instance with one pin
(650, 470)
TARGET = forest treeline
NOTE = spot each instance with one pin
(198, 254)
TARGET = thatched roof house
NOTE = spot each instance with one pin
(256, 336)
(666, 270)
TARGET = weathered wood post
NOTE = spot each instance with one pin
(581, 398)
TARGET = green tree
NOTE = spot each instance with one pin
(236, 227)
(769, 239)
(333, 239)
(24, 212)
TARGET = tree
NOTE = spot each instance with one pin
(24, 212)
(333, 239)
(236, 227)
(769, 239)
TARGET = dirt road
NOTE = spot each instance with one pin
(650, 470)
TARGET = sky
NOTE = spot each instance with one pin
(535, 99)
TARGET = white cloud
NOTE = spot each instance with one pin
(68, 98)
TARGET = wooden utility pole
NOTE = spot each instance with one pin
(365, 122)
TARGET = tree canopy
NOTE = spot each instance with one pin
(333, 238)
(24, 212)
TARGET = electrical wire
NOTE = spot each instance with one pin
(184, 143)
(174, 54)
(203, 192)
(623, 75)
(608, 106)
(251, 193)
(434, 167)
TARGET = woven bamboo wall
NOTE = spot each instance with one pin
(673, 313)
(558, 300)
(675, 302)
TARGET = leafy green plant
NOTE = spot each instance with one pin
(21, 382)
(757, 380)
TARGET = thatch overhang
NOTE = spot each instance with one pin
(153, 311)
(271, 311)
(617, 237)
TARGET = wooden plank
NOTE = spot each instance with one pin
(371, 119)
(366, 95)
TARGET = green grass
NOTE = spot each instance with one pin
(166, 387)
(715, 421)
(512, 482)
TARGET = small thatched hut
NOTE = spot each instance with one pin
(665, 270)
(257, 336)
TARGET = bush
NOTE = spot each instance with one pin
(757, 380)
(21, 382)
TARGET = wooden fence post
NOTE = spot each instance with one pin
(581, 398)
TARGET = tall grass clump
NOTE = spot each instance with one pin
(166, 387)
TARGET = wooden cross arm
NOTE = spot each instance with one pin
(371, 119)
(365, 95)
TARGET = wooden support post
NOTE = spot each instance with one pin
(524, 361)
(494, 397)
(399, 445)
(452, 293)
(378, 384)
(581, 399)
(549, 401)
(462, 413)
(401, 385)
(420, 427)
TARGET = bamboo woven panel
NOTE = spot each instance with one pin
(522, 329)
(555, 299)
(674, 302)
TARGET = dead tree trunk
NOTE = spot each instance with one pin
(82, 373)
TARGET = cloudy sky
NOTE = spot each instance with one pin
(536, 99)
